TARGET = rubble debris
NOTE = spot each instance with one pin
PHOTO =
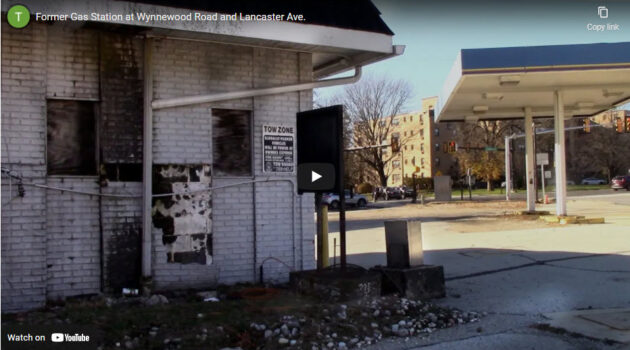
(363, 323)
(285, 322)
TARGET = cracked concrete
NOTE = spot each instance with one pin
(514, 269)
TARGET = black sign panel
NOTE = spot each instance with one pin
(320, 150)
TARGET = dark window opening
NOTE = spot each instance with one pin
(71, 138)
(125, 172)
(231, 142)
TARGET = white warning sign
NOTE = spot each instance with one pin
(278, 149)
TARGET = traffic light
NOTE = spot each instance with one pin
(452, 147)
(587, 125)
(627, 123)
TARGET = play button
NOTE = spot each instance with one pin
(316, 177)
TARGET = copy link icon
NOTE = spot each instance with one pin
(56, 337)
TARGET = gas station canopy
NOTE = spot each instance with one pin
(561, 81)
(498, 83)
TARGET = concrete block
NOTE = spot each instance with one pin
(335, 285)
(549, 218)
(420, 282)
(442, 188)
(591, 221)
(403, 239)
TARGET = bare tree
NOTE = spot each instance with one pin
(474, 138)
(368, 104)
(603, 151)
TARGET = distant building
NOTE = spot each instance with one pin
(421, 146)
(443, 142)
(618, 119)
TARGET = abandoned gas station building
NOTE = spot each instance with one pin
(134, 151)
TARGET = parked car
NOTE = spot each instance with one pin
(393, 193)
(593, 181)
(620, 182)
(407, 191)
(332, 200)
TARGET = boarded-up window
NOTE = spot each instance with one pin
(71, 138)
(231, 142)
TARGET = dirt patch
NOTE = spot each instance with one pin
(435, 210)
(498, 223)
(279, 320)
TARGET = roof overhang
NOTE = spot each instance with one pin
(334, 49)
(498, 83)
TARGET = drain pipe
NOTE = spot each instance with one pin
(191, 100)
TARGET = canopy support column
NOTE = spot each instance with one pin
(508, 168)
(559, 155)
(530, 166)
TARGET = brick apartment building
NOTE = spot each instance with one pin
(426, 147)
(78, 103)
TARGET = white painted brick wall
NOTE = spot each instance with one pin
(23, 145)
(219, 68)
(50, 245)
(73, 226)
(72, 62)
(121, 217)
(61, 230)
(72, 238)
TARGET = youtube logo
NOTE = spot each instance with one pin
(316, 177)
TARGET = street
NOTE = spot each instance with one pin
(513, 268)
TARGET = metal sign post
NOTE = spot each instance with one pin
(542, 179)
(320, 231)
(342, 228)
(320, 164)
(542, 159)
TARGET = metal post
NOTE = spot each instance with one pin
(413, 192)
(334, 252)
(320, 231)
(542, 180)
(469, 187)
(147, 159)
(324, 227)
(559, 155)
(530, 166)
(402, 167)
(342, 229)
(508, 169)
(535, 162)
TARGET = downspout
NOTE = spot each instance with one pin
(147, 162)
(223, 96)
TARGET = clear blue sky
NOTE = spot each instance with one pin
(435, 31)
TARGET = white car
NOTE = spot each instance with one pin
(332, 200)
(593, 181)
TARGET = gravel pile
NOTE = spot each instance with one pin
(345, 326)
